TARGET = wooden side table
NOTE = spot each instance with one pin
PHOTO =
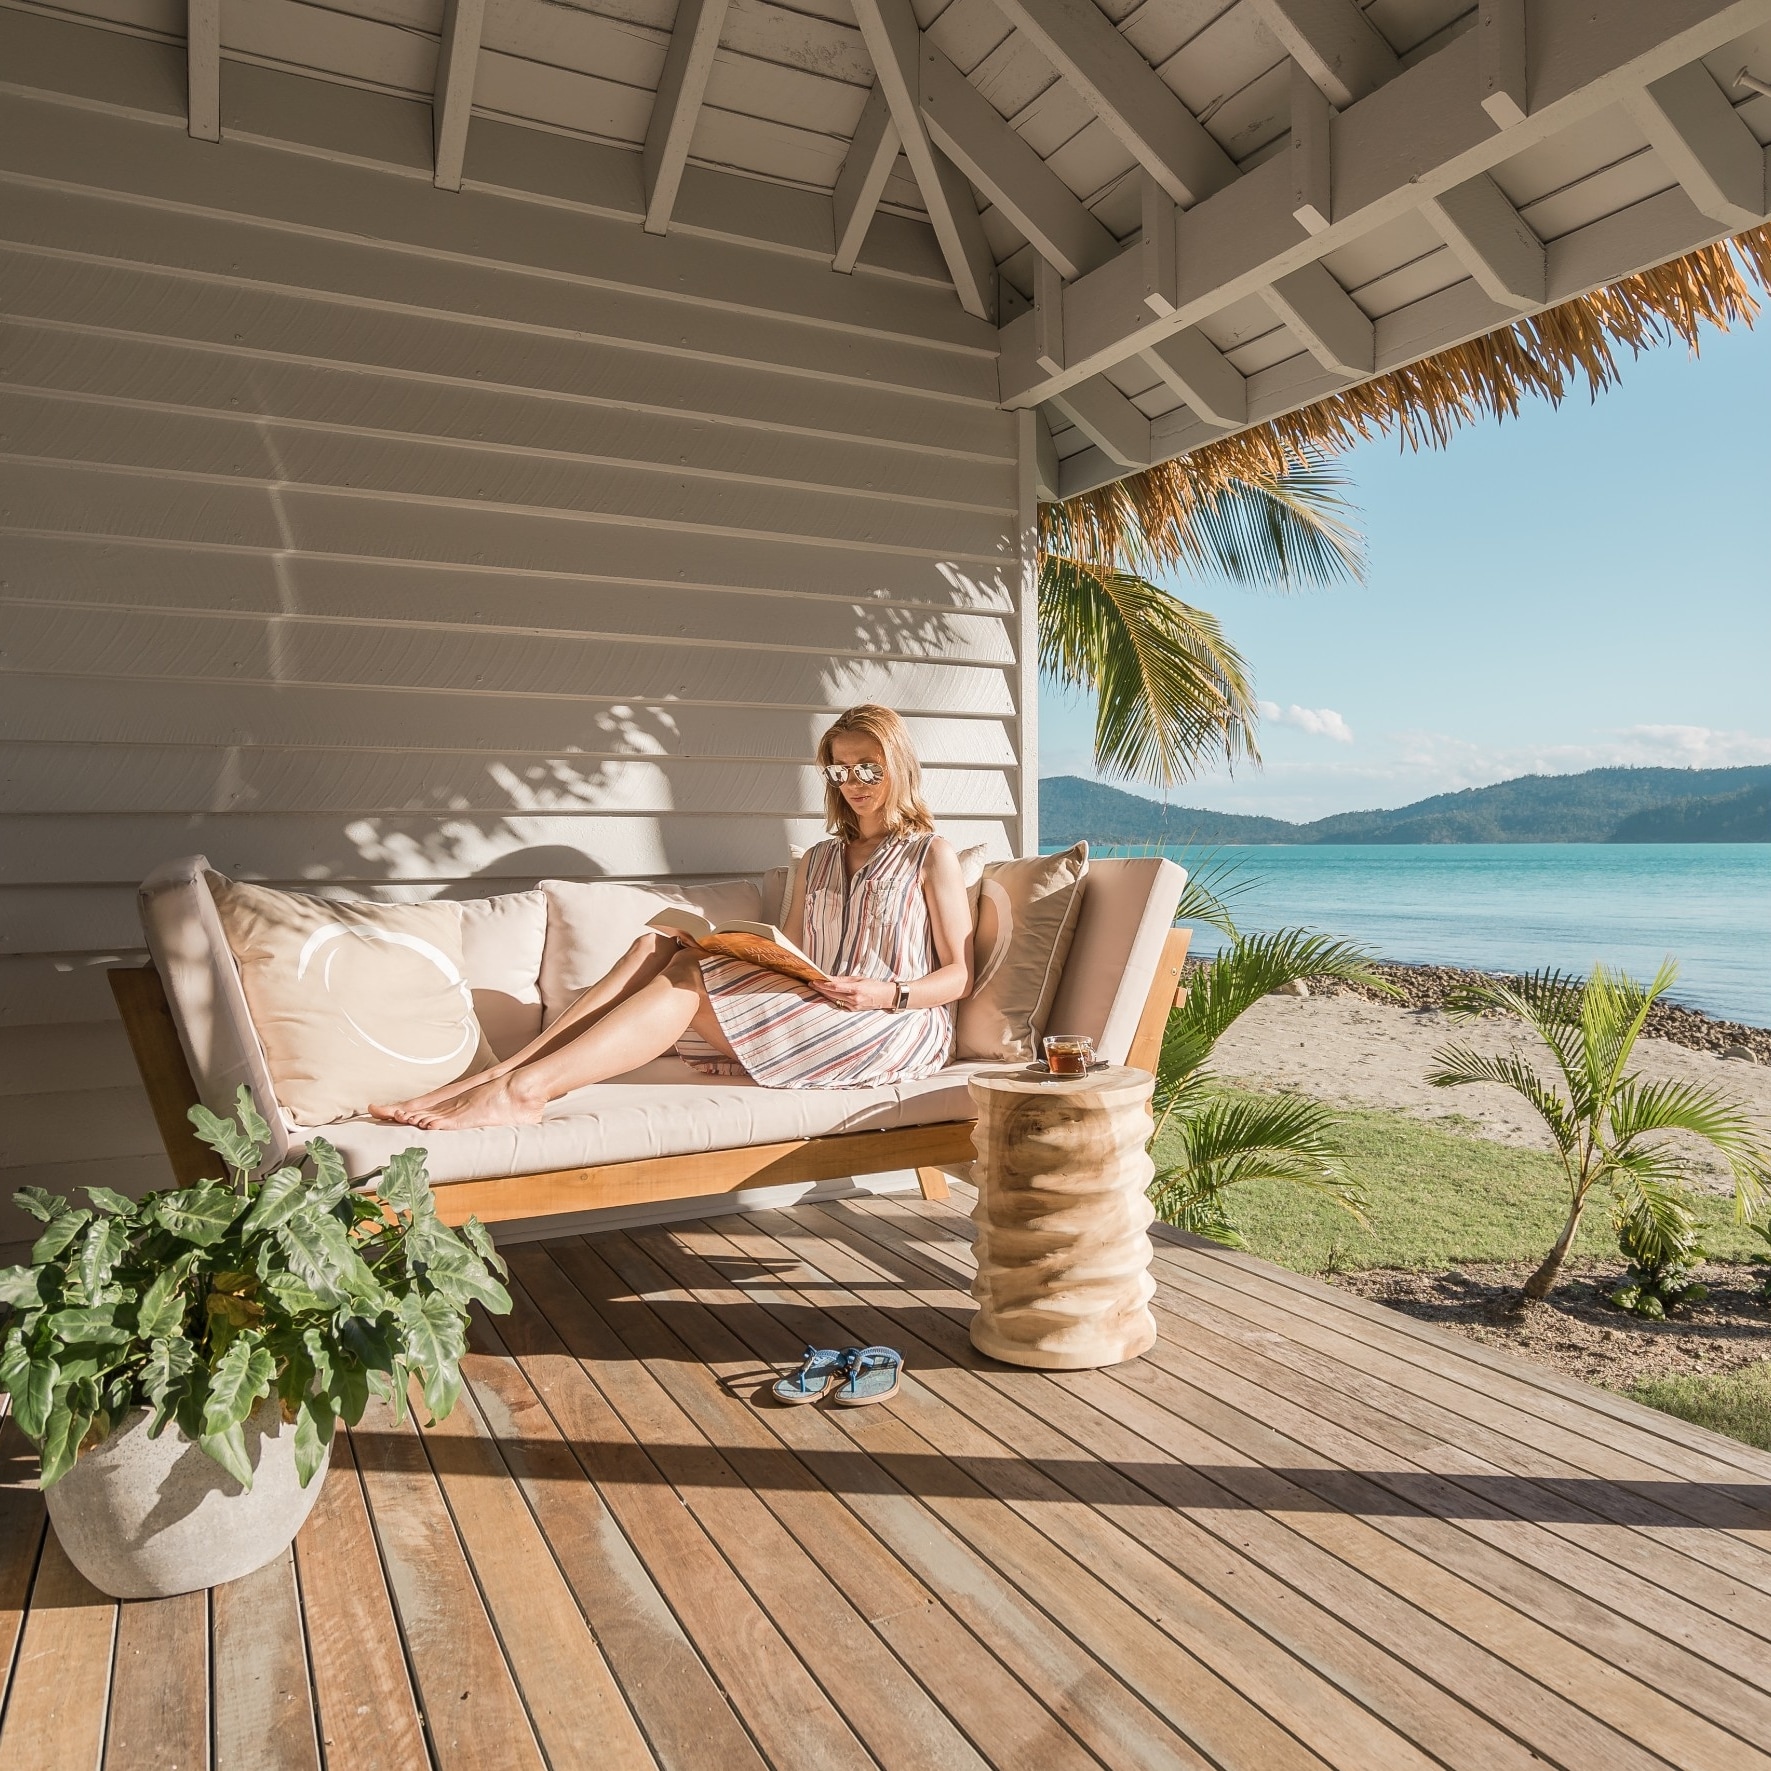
(1063, 1256)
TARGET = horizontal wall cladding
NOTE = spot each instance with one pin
(374, 539)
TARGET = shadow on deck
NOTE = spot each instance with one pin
(1302, 1531)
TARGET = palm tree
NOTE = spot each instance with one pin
(1207, 1142)
(1171, 691)
(1609, 1127)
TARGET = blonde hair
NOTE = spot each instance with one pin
(905, 810)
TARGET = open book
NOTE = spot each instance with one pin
(760, 943)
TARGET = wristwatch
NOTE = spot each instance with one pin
(903, 1001)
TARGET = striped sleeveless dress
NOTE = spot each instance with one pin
(875, 925)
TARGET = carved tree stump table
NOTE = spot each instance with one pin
(1063, 1258)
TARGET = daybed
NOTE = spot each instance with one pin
(662, 1132)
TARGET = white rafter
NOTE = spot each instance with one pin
(862, 181)
(1500, 61)
(694, 40)
(1312, 169)
(1494, 242)
(1334, 43)
(1048, 315)
(1203, 376)
(895, 45)
(1109, 420)
(1126, 93)
(203, 69)
(452, 103)
(1423, 134)
(964, 124)
(1331, 325)
(1705, 144)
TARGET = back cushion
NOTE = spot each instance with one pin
(592, 923)
(501, 944)
(353, 1002)
(1024, 919)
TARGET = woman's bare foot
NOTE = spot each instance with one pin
(505, 1100)
(402, 1112)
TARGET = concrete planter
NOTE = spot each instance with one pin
(144, 1518)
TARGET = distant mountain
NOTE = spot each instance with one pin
(1602, 805)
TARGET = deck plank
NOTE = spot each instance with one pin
(473, 1714)
(571, 1695)
(22, 1525)
(159, 1716)
(264, 1708)
(792, 1721)
(368, 1714)
(686, 1719)
(1105, 1716)
(61, 1686)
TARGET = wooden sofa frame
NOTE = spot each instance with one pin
(929, 1149)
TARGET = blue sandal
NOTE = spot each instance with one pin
(870, 1374)
(820, 1371)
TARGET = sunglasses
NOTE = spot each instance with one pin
(868, 774)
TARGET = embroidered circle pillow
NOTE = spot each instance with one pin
(353, 1002)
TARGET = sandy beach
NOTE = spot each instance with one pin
(1355, 1052)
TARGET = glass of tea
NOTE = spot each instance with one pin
(1069, 1054)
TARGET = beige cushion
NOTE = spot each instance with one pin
(1025, 918)
(1128, 907)
(662, 1109)
(591, 923)
(353, 1002)
(501, 944)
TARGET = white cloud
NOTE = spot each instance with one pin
(1319, 722)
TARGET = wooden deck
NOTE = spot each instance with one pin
(1303, 1531)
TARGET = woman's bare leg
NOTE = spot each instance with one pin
(636, 968)
(643, 1026)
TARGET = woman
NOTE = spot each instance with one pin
(880, 905)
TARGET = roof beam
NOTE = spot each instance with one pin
(203, 69)
(1047, 471)
(1048, 316)
(694, 39)
(452, 104)
(964, 124)
(862, 181)
(1493, 240)
(1157, 246)
(1312, 144)
(1202, 375)
(1126, 93)
(1329, 322)
(1109, 420)
(894, 44)
(1500, 61)
(1705, 144)
(1334, 43)
(1422, 134)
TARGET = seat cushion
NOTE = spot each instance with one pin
(662, 1109)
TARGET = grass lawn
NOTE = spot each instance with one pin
(1437, 1196)
(1737, 1403)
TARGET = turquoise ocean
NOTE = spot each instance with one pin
(1518, 906)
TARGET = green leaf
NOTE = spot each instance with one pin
(117, 1204)
(329, 1168)
(162, 1307)
(22, 1287)
(479, 1239)
(165, 1377)
(237, 1384)
(313, 1433)
(294, 1298)
(96, 1323)
(349, 1389)
(282, 1195)
(104, 1242)
(235, 1146)
(201, 1214)
(403, 1184)
(44, 1206)
(31, 1383)
(63, 1228)
(435, 1338)
(321, 1257)
(228, 1448)
(251, 1122)
(62, 1433)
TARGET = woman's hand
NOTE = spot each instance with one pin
(858, 992)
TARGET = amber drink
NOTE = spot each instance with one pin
(1069, 1054)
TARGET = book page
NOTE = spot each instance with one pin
(772, 951)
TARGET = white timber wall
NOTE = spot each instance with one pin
(377, 539)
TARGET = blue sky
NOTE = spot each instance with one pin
(1575, 587)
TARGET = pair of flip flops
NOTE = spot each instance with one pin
(855, 1376)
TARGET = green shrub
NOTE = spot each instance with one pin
(198, 1303)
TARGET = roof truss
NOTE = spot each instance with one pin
(694, 39)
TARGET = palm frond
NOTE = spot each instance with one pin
(1171, 692)
(1213, 884)
(1454, 1066)
(1614, 1010)
(1651, 1213)
(1640, 1109)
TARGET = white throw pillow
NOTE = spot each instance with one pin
(501, 944)
(592, 923)
(1024, 919)
(353, 1002)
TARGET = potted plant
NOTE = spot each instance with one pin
(181, 1360)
